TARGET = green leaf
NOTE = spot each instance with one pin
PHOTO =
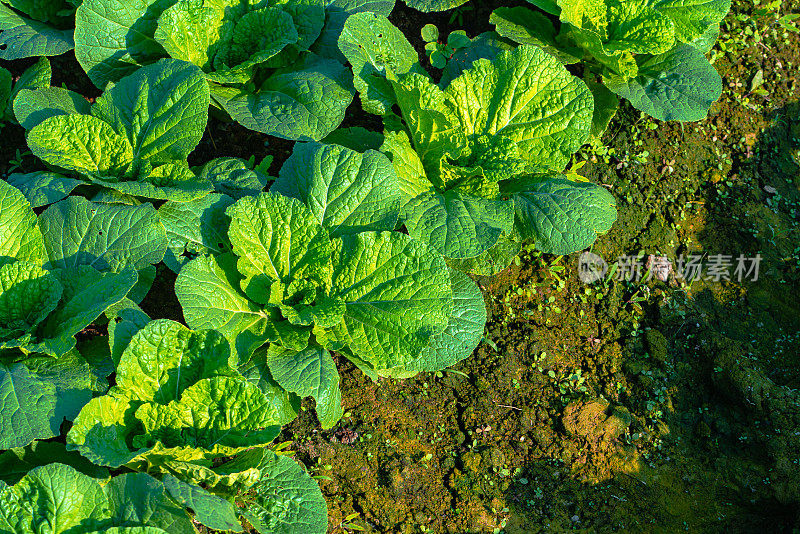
(81, 143)
(87, 294)
(137, 499)
(376, 50)
(189, 30)
(680, 85)
(277, 239)
(692, 18)
(487, 45)
(22, 239)
(209, 509)
(36, 76)
(286, 500)
(407, 164)
(42, 188)
(31, 107)
(161, 108)
(74, 382)
(21, 37)
(27, 407)
(122, 326)
(233, 177)
(305, 101)
(464, 329)
(108, 237)
(583, 13)
(17, 462)
(397, 295)
(194, 228)
(527, 96)
(347, 192)
(28, 294)
(309, 372)
(355, 138)
(525, 26)
(222, 412)
(207, 288)
(172, 181)
(256, 371)
(113, 38)
(561, 216)
(492, 261)
(336, 14)
(427, 6)
(430, 33)
(638, 28)
(102, 429)
(456, 225)
(164, 358)
(56, 498)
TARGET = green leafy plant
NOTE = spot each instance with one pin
(439, 53)
(313, 267)
(30, 28)
(479, 155)
(36, 76)
(60, 271)
(650, 52)
(272, 66)
(185, 410)
(132, 142)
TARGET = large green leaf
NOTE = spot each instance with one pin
(528, 96)
(210, 510)
(221, 412)
(165, 357)
(305, 101)
(21, 37)
(458, 225)
(680, 85)
(22, 238)
(434, 5)
(102, 429)
(108, 237)
(525, 26)
(87, 294)
(54, 498)
(33, 106)
(375, 49)
(42, 188)
(336, 14)
(188, 30)
(464, 329)
(256, 371)
(137, 499)
(195, 228)
(277, 238)
(74, 380)
(309, 372)
(692, 18)
(81, 143)
(27, 407)
(397, 295)
(17, 462)
(561, 216)
(407, 164)
(28, 294)
(161, 108)
(286, 500)
(346, 191)
(207, 288)
(235, 177)
(113, 38)
(493, 260)
(638, 28)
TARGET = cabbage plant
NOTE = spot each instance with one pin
(271, 65)
(30, 28)
(132, 142)
(650, 52)
(313, 266)
(480, 154)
